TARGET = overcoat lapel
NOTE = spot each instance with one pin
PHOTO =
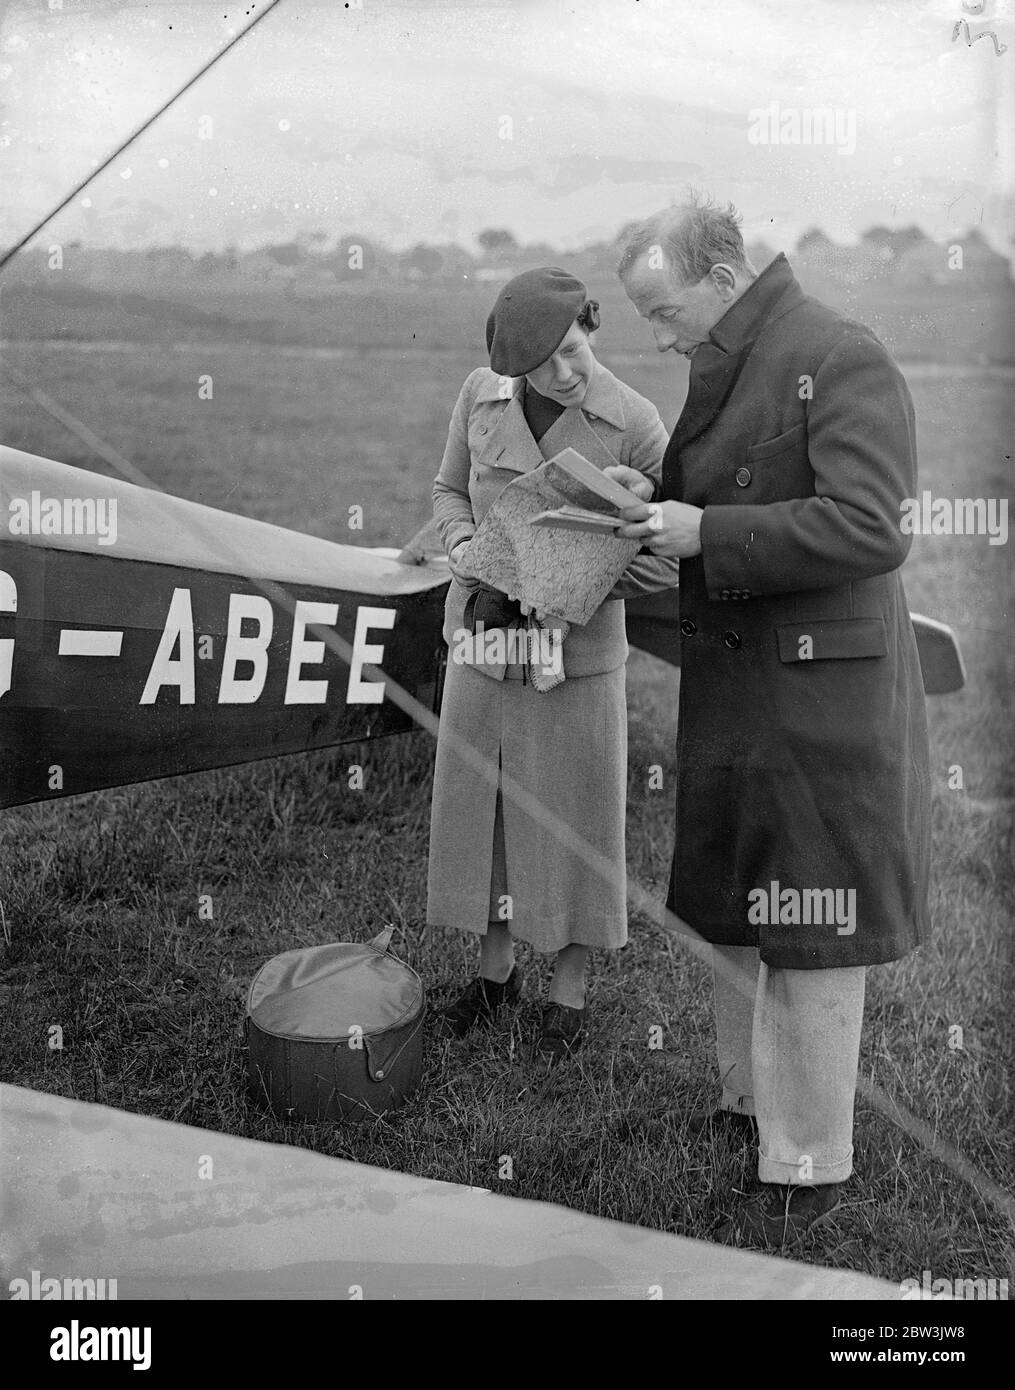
(717, 364)
(713, 376)
(510, 443)
(572, 430)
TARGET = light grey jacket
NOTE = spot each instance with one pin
(489, 443)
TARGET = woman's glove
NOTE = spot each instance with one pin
(491, 608)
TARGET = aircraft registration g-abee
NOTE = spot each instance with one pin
(143, 635)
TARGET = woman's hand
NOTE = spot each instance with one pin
(631, 479)
(455, 558)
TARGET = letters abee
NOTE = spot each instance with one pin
(242, 653)
(245, 658)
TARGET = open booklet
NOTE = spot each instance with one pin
(531, 546)
(609, 498)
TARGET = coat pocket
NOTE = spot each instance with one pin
(792, 439)
(832, 639)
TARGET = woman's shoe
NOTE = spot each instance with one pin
(480, 1003)
(561, 1032)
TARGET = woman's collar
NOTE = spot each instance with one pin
(602, 400)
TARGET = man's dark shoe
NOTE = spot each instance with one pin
(561, 1032)
(479, 1004)
(727, 1127)
(776, 1216)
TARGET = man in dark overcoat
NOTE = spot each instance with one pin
(803, 789)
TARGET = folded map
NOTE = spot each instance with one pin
(562, 571)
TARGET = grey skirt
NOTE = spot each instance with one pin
(553, 869)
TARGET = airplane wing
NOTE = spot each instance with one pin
(142, 635)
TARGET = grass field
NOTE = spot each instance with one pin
(965, 320)
(100, 892)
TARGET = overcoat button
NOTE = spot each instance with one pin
(688, 627)
(731, 639)
(724, 593)
(743, 476)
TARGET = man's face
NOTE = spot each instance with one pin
(681, 316)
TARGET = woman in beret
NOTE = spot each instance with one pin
(497, 868)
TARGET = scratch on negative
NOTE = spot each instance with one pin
(960, 24)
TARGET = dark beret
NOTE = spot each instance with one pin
(531, 316)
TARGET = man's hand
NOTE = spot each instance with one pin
(631, 479)
(670, 529)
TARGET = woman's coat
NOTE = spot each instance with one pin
(566, 749)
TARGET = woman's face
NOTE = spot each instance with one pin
(565, 376)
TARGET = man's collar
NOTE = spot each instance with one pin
(602, 399)
(743, 319)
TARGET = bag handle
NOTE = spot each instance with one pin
(382, 941)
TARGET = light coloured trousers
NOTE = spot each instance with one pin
(788, 1051)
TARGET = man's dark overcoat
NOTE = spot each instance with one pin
(802, 743)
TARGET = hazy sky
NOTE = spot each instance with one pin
(433, 119)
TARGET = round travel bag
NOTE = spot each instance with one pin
(335, 1032)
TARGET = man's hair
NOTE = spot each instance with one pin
(693, 236)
